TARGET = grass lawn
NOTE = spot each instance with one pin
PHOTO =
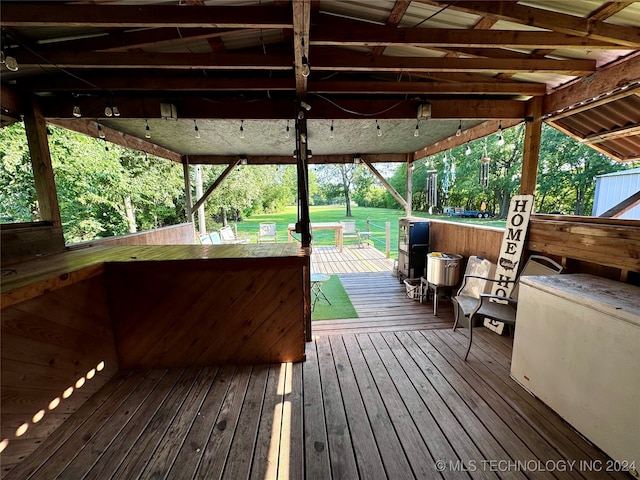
(341, 306)
(377, 218)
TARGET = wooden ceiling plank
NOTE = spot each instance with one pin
(554, 21)
(48, 14)
(89, 127)
(608, 9)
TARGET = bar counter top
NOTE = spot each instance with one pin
(25, 280)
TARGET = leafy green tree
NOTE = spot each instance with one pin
(18, 202)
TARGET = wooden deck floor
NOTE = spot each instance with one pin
(353, 259)
(395, 405)
(385, 396)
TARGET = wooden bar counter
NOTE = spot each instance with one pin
(71, 321)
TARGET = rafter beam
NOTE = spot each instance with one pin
(290, 160)
(301, 25)
(554, 21)
(469, 135)
(49, 14)
(626, 131)
(90, 128)
(582, 93)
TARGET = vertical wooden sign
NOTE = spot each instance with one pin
(510, 256)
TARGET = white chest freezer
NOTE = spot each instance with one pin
(577, 348)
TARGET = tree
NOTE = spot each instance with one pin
(338, 181)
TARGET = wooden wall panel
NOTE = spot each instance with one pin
(183, 234)
(20, 241)
(209, 312)
(465, 239)
(47, 344)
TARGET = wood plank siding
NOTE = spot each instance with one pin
(364, 405)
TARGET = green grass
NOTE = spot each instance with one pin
(340, 307)
(334, 213)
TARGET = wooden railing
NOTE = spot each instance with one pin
(182, 234)
(608, 248)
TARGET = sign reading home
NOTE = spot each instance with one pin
(510, 256)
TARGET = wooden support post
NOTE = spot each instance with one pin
(214, 185)
(408, 207)
(385, 183)
(36, 129)
(532, 138)
(187, 188)
(303, 227)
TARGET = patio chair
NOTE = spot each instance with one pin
(228, 236)
(349, 230)
(205, 239)
(267, 232)
(497, 307)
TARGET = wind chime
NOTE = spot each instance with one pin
(483, 175)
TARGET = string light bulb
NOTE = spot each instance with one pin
(416, 132)
(468, 150)
(500, 135)
(195, 128)
(378, 129)
(459, 131)
(10, 62)
(147, 130)
(287, 130)
(115, 110)
(100, 131)
(76, 111)
(241, 128)
(331, 130)
(306, 68)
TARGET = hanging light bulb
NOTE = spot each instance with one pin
(100, 132)
(76, 111)
(195, 128)
(416, 132)
(116, 112)
(11, 63)
(241, 128)
(459, 131)
(147, 130)
(287, 130)
(468, 150)
(108, 111)
(378, 129)
(331, 130)
(306, 68)
(2, 57)
(500, 136)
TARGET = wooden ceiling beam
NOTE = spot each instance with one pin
(393, 20)
(290, 160)
(172, 61)
(374, 36)
(333, 59)
(469, 135)
(322, 108)
(89, 127)
(157, 37)
(554, 21)
(50, 14)
(143, 83)
(321, 59)
(608, 9)
(626, 131)
(301, 25)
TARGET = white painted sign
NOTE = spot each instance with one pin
(510, 256)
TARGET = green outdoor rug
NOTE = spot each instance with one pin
(340, 307)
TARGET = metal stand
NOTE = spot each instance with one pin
(317, 279)
(426, 286)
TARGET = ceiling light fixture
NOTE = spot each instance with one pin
(500, 135)
(147, 130)
(241, 128)
(459, 131)
(378, 129)
(357, 159)
(243, 160)
(306, 68)
(195, 128)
